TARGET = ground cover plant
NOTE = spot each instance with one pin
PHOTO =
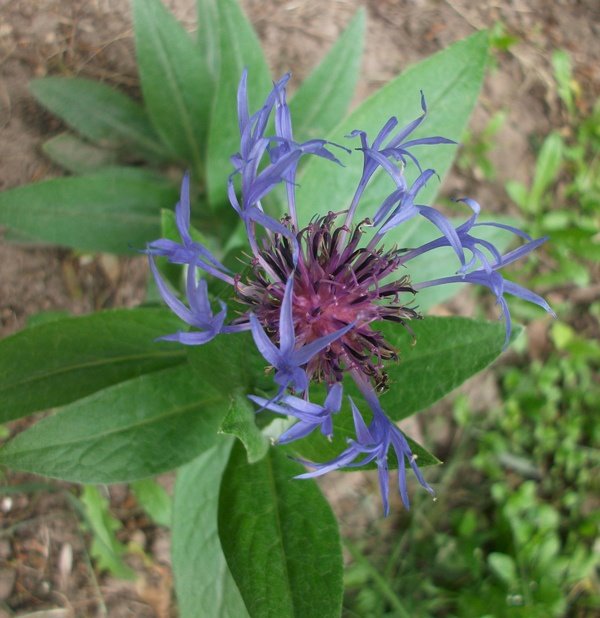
(518, 532)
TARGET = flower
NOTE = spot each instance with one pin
(310, 416)
(312, 294)
(489, 277)
(373, 443)
(188, 251)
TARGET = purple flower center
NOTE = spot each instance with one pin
(336, 282)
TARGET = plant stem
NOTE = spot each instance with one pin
(378, 580)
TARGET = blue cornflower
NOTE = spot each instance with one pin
(313, 294)
(490, 277)
(310, 416)
(472, 243)
(199, 314)
(397, 148)
(188, 251)
(373, 443)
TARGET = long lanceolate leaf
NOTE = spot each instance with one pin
(208, 35)
(132, 430)
(176, 82)
(203, 582)
(99, 113)
(450, 80)
(78, 156)
(447, 352)
(58, 362)
(114, 210)
(280, 539)
(239, 48)
(322, 100)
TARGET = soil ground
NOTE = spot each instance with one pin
(44, 562)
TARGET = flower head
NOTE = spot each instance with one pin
(313, 294)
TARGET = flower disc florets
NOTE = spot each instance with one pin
(315, 294)
(337, 282)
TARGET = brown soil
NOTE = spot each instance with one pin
(43, 557)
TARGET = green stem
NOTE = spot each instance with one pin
(378, 580)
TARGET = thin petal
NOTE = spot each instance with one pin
(268, 404)
(197, 295)
(191, 338)
(263, 343)
(387, 128)
(333, 401)
(287, 337)
(445, 227)
(517, 290)
(176, 306)
(297, 431)
(523, 250)
(182, 210)
(242, 101)
(163, 247)
(388, 204)
(302, 407)
(384, 485)
(362, 432)
(508, 228)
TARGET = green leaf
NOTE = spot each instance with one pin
(233, 362)
(450, 79)
(133, 430)
(323, 98)
(241, 423)
(114, 210)
(207, 36)
(58, 362)
(446, 353)
(154, 499)
(202, 578)
(547, 167)
(518, 193)
(44, 317)
(175, 80)
(105, 549)
(563, 73)
(280, 539)
(77, 156)
(504, 567)
(239, 48)
(98, 112)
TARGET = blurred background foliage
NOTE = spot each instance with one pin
(516, 533)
